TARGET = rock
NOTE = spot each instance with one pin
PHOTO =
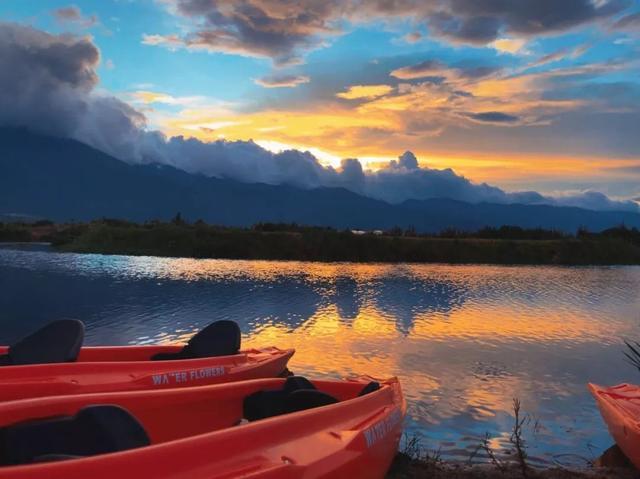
(614, 457)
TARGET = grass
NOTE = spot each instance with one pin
(416, 461)
(508, 245)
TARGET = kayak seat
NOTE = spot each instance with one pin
(297, 394)
(93, 430)
(369, 388)
(307, 399)
(220, 338)
(294, 383)
(57, 342)
(264, 404)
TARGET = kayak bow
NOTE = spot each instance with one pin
(620, 409)
(51, 361)
(324, 429)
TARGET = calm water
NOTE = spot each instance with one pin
(464, 340)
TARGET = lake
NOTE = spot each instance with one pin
(464, 340)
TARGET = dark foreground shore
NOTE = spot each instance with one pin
(506, 245)
(414, 462)
(405, 468)
(411, 464)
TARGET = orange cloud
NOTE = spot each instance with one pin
(357, 92)
(509, 45)
(413, 115)
(429, 68)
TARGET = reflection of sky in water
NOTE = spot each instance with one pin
(464, 340)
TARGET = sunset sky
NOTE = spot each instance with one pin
(537, 95)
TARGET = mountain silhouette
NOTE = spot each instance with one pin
(63, 179)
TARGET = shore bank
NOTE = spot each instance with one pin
(290, 242)
(414, 461)
(406, 468)
(506, 245)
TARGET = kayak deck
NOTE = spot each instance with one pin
(135, 373)
(620, 409)
(196, 432)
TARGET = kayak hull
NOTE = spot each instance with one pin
(620, 409)
(357, 437)
(104, 369)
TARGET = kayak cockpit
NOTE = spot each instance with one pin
(297, 394)
(133, 422)
(92, 430)
(61, 342)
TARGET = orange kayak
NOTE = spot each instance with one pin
(620, 409)
(128, 368)
(52, 362)
(296, 428)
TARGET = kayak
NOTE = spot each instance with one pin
(127, 368)
(620, 409)
(51, 362)
(264, 428)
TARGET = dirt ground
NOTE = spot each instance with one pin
(406, 468)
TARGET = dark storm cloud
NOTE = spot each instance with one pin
(44, 79)
(493, 117)
(48, 83)
(530, 17)
(284, 31)
(478, 71)
(279, 30)
(437, 69)
(467, 29)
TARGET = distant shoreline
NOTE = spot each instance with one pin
(25, 243)
(505, 246)
(512, 253)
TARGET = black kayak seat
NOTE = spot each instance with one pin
(220, 338)
(264, 404)
(307, 399)
(97, 429)
(295, 383)
(57, 342)
(369, 388)
(297, 394)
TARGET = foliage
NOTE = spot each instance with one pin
(14, 232)
(277, 241)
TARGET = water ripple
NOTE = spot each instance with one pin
(465, 340)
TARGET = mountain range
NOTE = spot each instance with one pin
(62, 179)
